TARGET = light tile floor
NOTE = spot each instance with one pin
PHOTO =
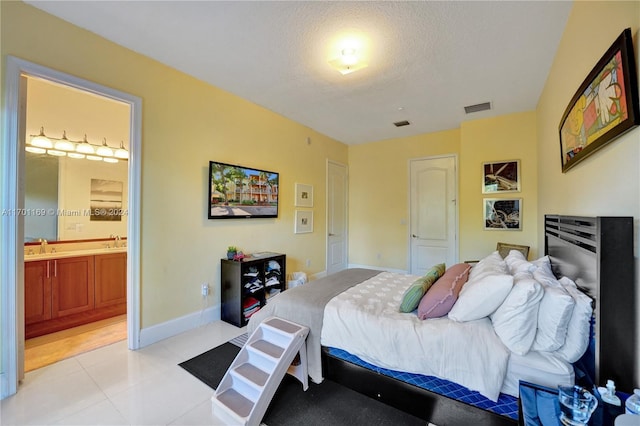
(115, 386)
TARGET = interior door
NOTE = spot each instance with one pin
(336, 217)
(433, 210)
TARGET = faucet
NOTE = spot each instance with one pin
(116, 243)
(43, 245)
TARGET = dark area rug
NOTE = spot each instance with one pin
(326, 404)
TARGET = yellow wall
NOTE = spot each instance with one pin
(378, 196)
(185, 124)
(507, 137)
(608, 182)
(379, 188)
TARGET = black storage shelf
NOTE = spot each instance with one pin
(247, 285)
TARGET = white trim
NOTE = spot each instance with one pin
(11, 246)
(173, 327)
(379, 268)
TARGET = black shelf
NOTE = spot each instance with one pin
(248, 284)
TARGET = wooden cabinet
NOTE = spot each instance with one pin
(72, 285)
(248, 285)
(111, 279)
(71, 291)
(37, 292)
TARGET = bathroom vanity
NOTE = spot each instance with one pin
(67, 289)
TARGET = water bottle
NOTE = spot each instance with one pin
(633, 403)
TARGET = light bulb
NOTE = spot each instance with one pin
(121, 152)
(56, 153)
(64, 144)
(35, 150)
(85, 147)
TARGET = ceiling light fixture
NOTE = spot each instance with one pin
(350, 57)
(42, 144)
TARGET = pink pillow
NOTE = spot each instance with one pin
(439, 299)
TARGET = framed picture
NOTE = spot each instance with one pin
(503, 214)
(501, 176)
(304, 195)
(604, 107)
(304, 221)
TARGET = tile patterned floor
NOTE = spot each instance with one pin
(115, 386)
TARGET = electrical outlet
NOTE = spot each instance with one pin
(205, 289)
(308, 262)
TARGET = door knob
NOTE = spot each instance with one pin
(332, 235)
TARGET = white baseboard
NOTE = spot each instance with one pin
(318, 275)
(379, 268)
(155, 333)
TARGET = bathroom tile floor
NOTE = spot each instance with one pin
(115, 386)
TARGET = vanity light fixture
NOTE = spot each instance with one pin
(42, 144)
(121, 152)
(64, 144)
(41, 141)
(85, 147)
(104, 150)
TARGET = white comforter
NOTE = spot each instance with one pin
(365, 321)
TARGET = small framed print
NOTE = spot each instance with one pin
(504, 214)
(304, 195)
(304, 221)
(501, 176)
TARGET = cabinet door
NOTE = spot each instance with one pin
(37, 292)
(111, 279)
(72, 285)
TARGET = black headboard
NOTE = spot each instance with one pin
(597, 253)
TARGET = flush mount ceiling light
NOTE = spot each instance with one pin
(42, 144)
(348, 56)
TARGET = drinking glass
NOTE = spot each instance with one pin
(576, 405)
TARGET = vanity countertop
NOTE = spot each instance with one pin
(74, 253)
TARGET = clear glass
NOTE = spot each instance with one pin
(576, 405)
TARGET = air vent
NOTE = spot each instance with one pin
(477, 107)
(401, 123)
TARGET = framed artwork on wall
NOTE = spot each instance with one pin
(501, 176)
(504, 214)
(304, 221)
(605, 105)
(304, 195)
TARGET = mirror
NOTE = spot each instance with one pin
(74, 198)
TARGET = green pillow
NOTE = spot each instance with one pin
(412, 296)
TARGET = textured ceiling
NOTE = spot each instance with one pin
(426, 60)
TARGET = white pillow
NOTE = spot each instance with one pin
(481, 297)
(492, 264)
(577, 339)
(516, 262)
(554, 314)
(516, 320)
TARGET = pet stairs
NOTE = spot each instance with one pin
(252, 379)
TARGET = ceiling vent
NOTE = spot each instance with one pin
(401, 123)
(477, 107)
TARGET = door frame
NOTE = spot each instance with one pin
(346, 216)
(11, 244)
(457, 213)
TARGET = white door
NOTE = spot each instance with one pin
(336, 217)
(434, 224)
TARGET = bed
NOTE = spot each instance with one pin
(349, 341)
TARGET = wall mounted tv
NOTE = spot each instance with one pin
(241, 192)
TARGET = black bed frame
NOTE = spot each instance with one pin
(597, 253)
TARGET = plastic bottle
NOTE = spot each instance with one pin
(608, 394)
(633, 403)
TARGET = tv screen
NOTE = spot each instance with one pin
(241, 192)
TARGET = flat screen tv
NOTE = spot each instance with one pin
(241, 192)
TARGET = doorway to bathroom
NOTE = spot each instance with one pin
(15, 244)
